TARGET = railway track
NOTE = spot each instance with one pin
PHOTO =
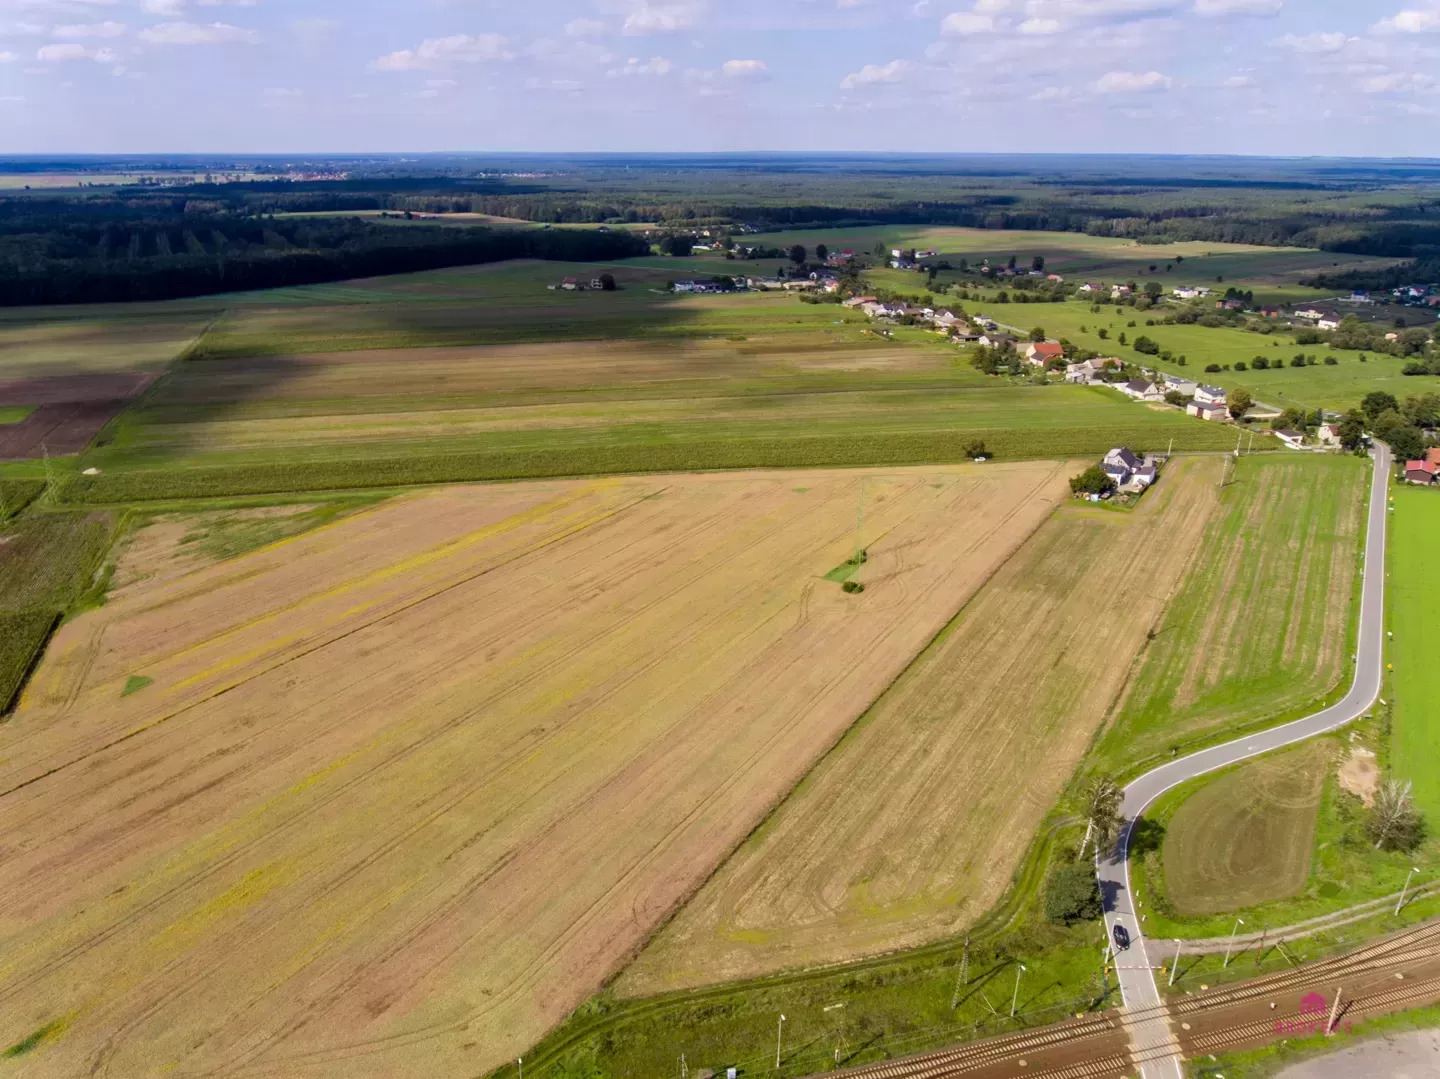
(978, 1056)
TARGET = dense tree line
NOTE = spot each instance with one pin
(91, 260)
(1421, 270)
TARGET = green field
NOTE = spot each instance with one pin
(1414, 615)
(484, 373)
(1283, 555)
(49, 561)
(14, 413)
(1247, 837)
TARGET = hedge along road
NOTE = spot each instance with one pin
(1154, 1046)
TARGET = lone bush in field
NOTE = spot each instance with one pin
(1072, 894)
(976, 448)
(852, 586)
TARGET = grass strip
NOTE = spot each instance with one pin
(937, 447)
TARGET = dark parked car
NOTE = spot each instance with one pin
(1122, 938)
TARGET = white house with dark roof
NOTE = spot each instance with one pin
(1209, 395)
(1207, 410)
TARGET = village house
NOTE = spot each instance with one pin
(1142, 390)
(946, 319)
(858, 301)
(1294, 439)
(1270, 312)
(1186, 386)
(1119, 464)
(1042, 352)
(1209, 394)
(1420, 472)
(1329, 435)
(991, 339)
(1207, 410)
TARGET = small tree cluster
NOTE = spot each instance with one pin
(1072, 894)
(1093, 481)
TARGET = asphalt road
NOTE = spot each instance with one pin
(1136, 966)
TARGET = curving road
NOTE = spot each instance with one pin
(1154, 1043)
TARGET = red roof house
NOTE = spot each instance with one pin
(1420, 472)
(1042, 352)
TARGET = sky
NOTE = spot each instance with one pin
(1281, 77)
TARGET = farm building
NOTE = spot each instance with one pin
(1420, 472)
(1042, 352)
(1142, 390)
(1209, 394)
(1207, 410)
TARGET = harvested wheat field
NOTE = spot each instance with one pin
(911, 828)
(400, 792)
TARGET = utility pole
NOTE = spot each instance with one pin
(684, 1070)
(1015, 997)
(1238, 923)
(963, 978)
(1334, 1012)
(1401, 901)
(1175, 965)
(779, 1033)
(520, 1063)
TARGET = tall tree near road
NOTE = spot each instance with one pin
(821, 252)
(797, 254)
(1100, 802)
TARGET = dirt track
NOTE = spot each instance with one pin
(404, 789)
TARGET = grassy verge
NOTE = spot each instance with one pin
(1413, 613)
(872, 449)
(856, 1012)
(17, 494)
(1271, 1059)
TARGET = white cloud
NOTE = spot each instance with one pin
(877, 74)
(584, 27)
(745, 69)
(1040, 26)
(965, 23)
(656, 65)
(164, 7)
(1132, 82)
(92, 29)
(443, 51)
(1239, 82)
(56, 54)
(1238, 7)
(1051, 93)
(1397, 82)
(649, 18)
(1313, 43)
(190, 33)
(283, 91)
(1410, 21)
(8, 57)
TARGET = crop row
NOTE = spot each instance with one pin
(914, 448)
(22, 636)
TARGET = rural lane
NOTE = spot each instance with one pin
(1155, 1047)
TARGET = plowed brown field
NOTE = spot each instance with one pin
(912, 827)
(403, 790)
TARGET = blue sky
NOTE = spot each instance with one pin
(1327, 77)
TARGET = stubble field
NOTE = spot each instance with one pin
(912, 827)
(393, 796)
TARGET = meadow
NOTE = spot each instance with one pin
(1413, 609)
(1246, 838)
(399, 793)
(911, 829)
(1262, 625)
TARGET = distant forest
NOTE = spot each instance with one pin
(71, 251)
(165, 239)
